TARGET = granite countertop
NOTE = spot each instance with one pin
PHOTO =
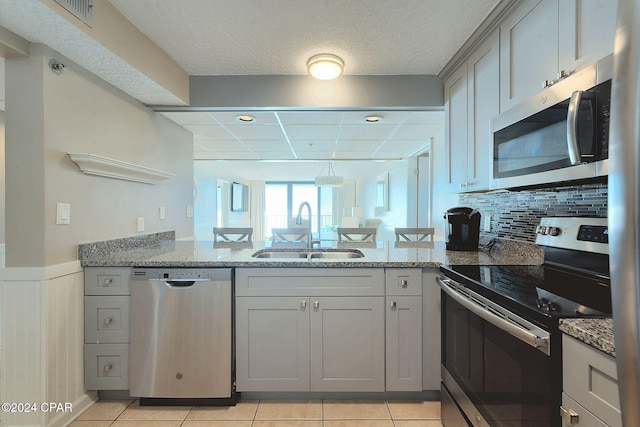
(598, 333)
(158, 252)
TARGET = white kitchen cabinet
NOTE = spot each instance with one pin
(272, 344)
(309, 329)
(543, 39)
(106, 328)
(590, 386)
(403, 329)
(472, 99)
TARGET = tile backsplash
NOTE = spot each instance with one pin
(515, 214)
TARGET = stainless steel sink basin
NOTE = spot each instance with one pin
(308, 253)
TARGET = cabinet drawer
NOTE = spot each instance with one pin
(106, 319)
(106, 366)
(107, 281)
(309, 282)
(585, 418)
(403, 281)
(590, 378)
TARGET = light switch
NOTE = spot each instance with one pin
(162, 213)
(140, 223)
(189, 211)
(63, 213)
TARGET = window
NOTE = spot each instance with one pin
(282, 200)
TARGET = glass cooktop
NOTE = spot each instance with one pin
(542, 293)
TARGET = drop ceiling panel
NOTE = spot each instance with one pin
(314, 132)
(191, 118)
(373, 131)
(315, 145)
(275, 155)
(210, 132)
(252, 132)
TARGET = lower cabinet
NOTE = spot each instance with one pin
(106, 328)
(590, 386)
(294, 334)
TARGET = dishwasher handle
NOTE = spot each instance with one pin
(178, 283)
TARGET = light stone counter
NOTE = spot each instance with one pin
(153, 252)
(598, 333)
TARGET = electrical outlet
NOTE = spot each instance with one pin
(140, 223)
(487, 223)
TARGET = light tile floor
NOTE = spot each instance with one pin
(266, 413)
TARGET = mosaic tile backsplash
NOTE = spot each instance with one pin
(515, 214)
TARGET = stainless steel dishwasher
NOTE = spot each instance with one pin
(181, 336)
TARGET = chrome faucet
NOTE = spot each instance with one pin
(299, 221)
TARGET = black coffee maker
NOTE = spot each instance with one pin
(462, 228)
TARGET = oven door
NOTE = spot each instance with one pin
(494, 374)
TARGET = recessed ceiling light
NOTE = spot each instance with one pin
(373, 119)
(245, 118)
(325, 66)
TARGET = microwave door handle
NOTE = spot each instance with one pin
(572, 128)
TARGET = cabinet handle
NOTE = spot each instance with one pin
(548, 83)
(303, 304)
(404, 283)
(107, 368)
(108, 320)
(392, 304)
(107, 282)
(569, 415)
(316, 304)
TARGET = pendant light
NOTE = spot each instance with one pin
(330, 179)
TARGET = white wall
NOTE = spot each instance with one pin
(401, 195)
(49, 115)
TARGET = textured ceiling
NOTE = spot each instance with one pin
(276, 37)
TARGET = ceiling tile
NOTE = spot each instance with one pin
(251, 132)
(312, 132)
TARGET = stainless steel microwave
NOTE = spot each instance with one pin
(559, 135)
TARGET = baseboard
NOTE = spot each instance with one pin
(78, 407)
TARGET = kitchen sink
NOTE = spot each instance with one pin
(308, 253)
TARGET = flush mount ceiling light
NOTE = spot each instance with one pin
(373, 119)
(325, 66)
(330, 179)
(245, 118)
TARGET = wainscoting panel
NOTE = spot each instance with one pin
(42, 360)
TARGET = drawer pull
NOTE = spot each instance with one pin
(404, 283)
(107, 282)
(107, 368)
(316, 304)
(108, 320)
(392, 304)
(303, 304)
(569, 415)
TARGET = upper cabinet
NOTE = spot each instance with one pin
(544, 40)
(472, 98)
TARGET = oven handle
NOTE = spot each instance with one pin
(539, 341)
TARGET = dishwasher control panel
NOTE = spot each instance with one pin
(212, 274)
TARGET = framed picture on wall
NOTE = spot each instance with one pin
(239, 197)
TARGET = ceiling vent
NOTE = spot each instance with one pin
(79, 8)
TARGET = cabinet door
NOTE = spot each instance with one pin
(404, 343)
(528, 51)
(455, 111)
(483, 80)
(347, 344)
(272, 344)
(587, 30)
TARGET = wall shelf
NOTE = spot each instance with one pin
(92, 164)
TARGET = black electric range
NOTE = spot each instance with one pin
(501, 346)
